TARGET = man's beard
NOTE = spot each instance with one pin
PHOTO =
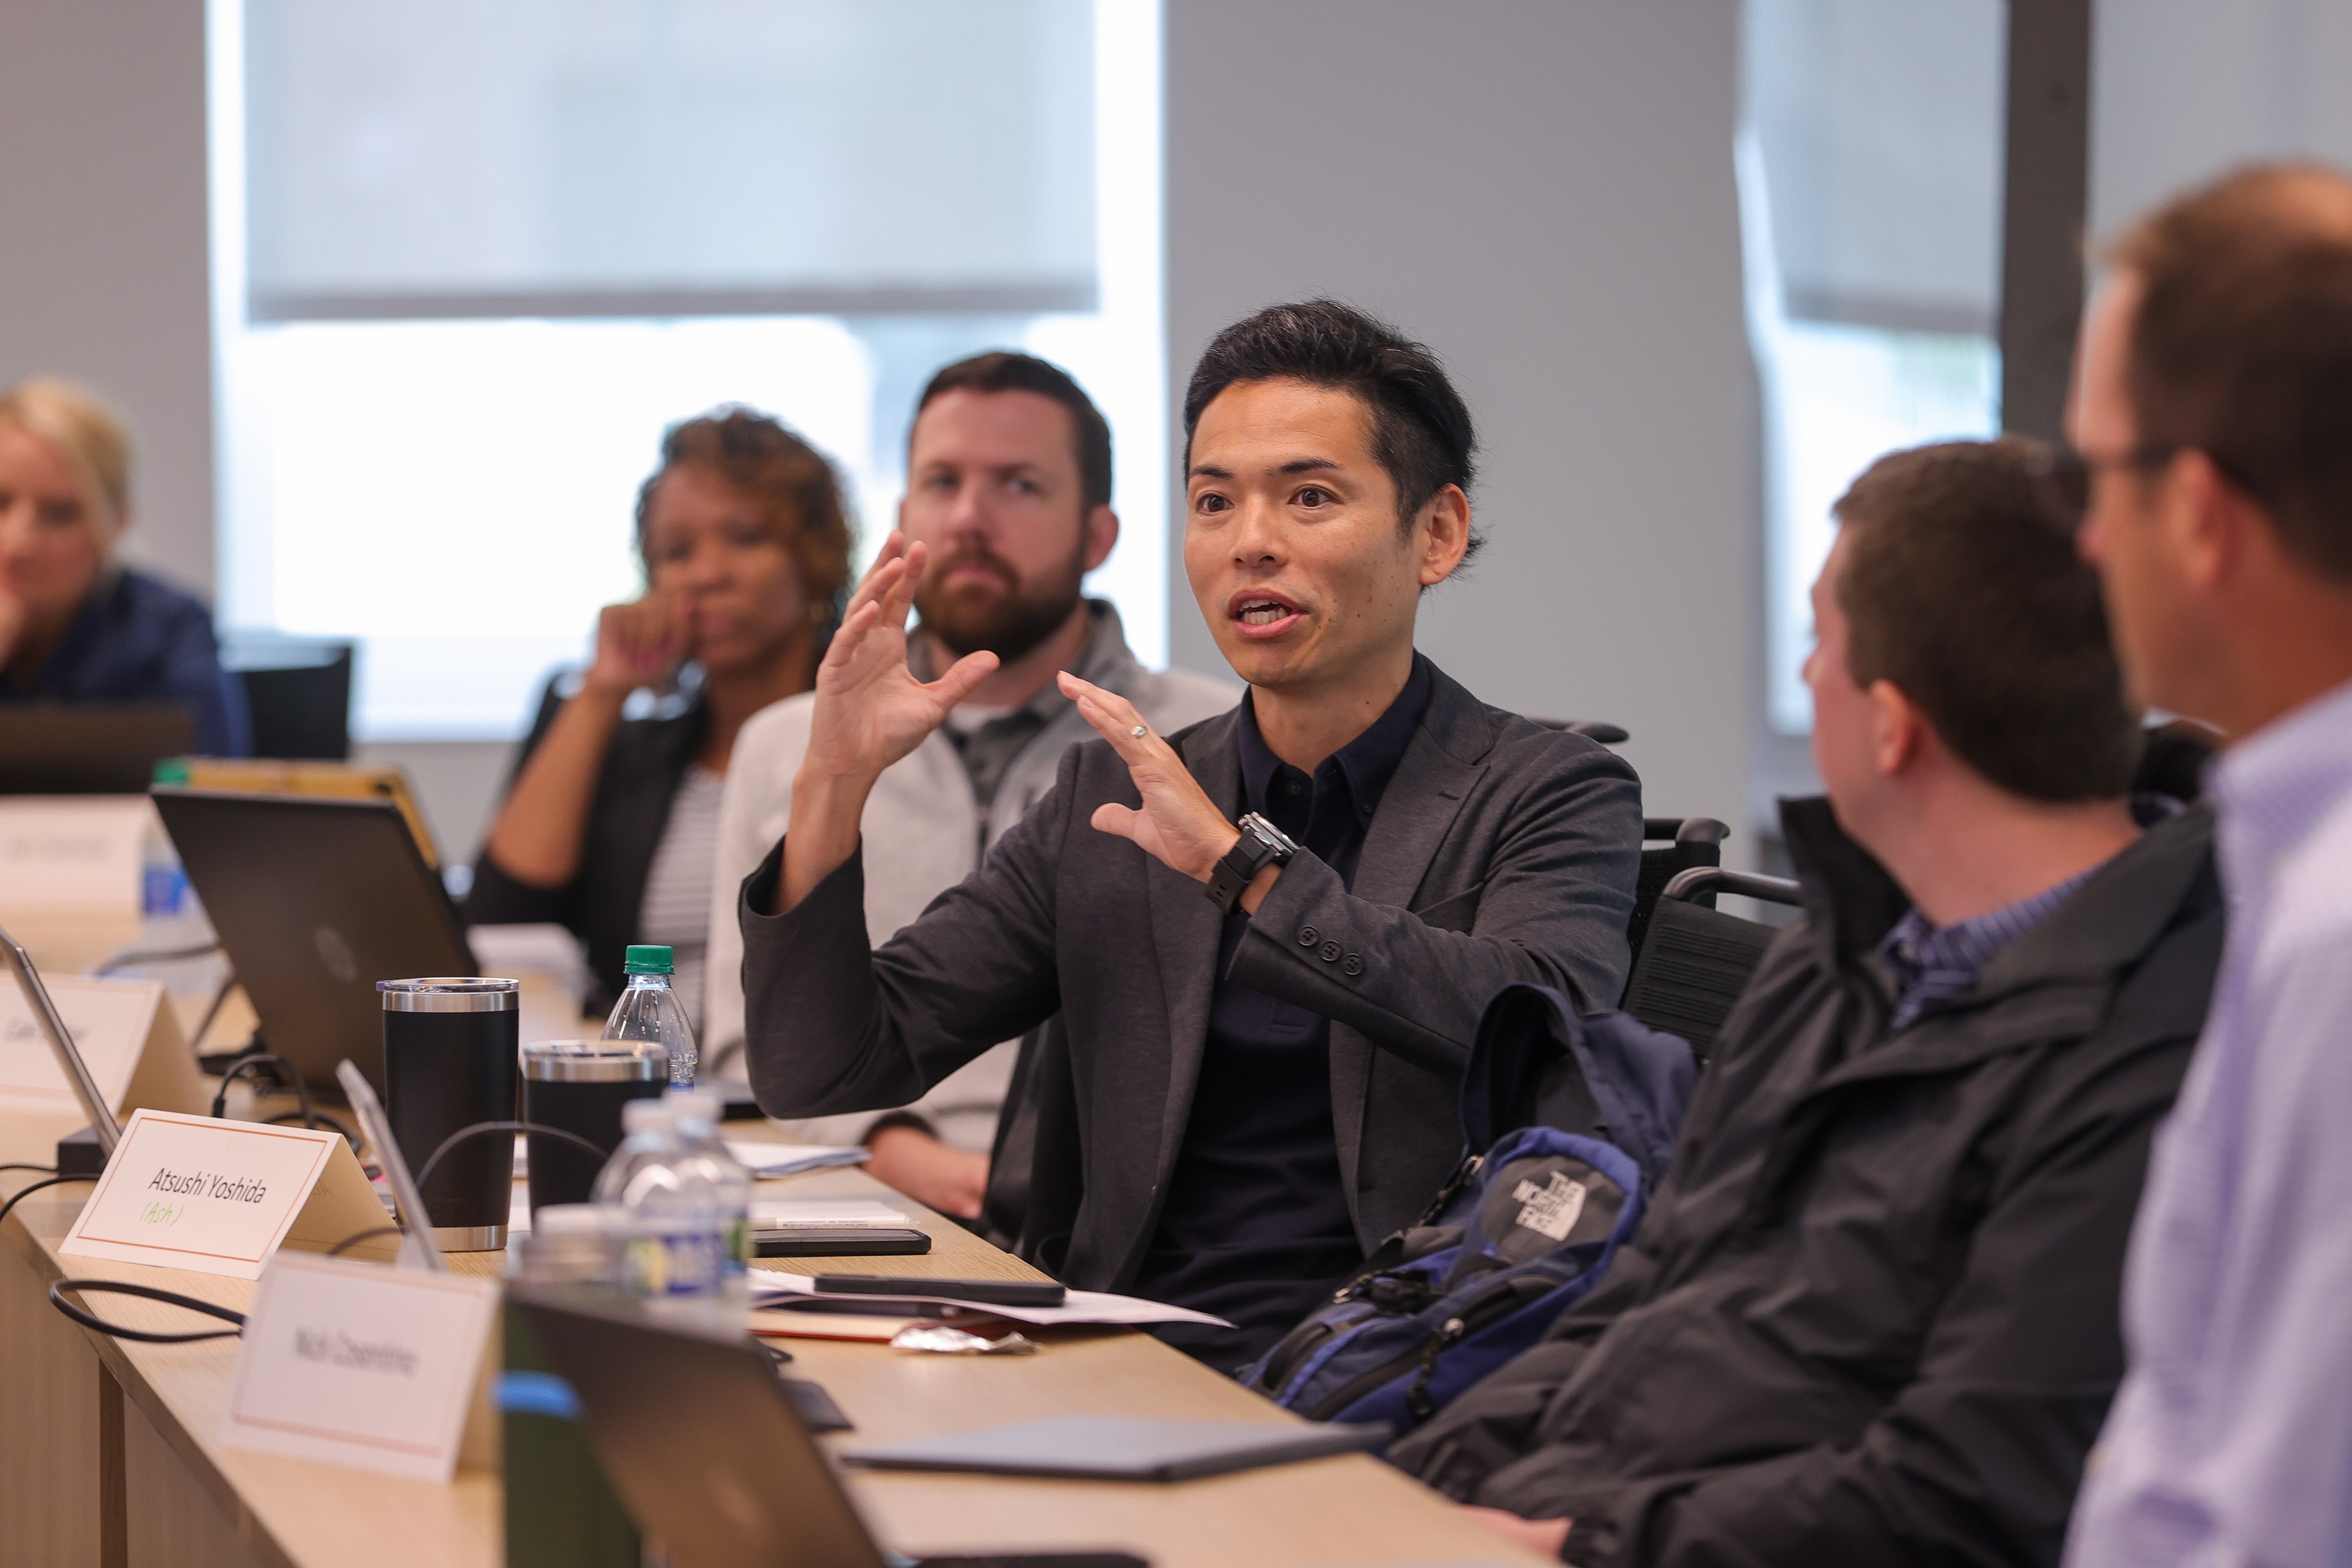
(1007, 624)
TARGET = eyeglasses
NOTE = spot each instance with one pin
(2061, 477)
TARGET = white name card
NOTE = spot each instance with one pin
(61, 854)
(350, 1363)
(128, 1037)
(221, 1197)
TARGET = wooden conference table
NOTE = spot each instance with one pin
(109, 1454)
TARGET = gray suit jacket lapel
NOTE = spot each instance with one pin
(1424, 796)
(1185, 929)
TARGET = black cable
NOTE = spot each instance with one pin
(203, 1025)
(124, 960)
(147, 1292)
(317, 1119)
(290, 1074)
(45, 1170)
(481, 1129)
(18, 1196)
(359, 1235)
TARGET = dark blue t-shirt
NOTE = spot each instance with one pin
(1257, 1228)
(135, 639)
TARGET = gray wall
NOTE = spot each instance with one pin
(103, 255)
(1542, 191)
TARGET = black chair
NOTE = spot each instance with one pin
(301, 696)
(1671, 846)
(1695, 960)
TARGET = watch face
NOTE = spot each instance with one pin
(1269, 834)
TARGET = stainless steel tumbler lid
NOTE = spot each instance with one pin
(451, 993)
(594, 1061)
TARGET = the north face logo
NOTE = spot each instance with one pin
(1550, 1209)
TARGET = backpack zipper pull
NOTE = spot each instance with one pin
(1416, 1399)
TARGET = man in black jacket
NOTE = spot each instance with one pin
(1871, 1315)
(1268, 936)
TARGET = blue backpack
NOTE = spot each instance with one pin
(1576, 1116)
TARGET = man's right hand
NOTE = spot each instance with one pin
(869, 712)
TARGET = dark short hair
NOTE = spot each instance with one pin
(2241, 345)
(1959, 588)
(794, 484)
(1422, 433)
(1000, 370)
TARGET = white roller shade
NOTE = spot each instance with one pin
(1880, 122)
(440, 158)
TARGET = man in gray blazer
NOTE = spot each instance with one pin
(1268, 936)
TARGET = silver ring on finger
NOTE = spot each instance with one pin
(1140, 731)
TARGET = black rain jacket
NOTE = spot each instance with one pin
(1872, 1313)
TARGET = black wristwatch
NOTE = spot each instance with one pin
(1261, 845)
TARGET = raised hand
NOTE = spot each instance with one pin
(1178, 824)
(870, 710)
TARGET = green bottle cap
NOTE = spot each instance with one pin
(171, 771)
(642, 960)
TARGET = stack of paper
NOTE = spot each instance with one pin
(772, 1289)
(785, 1214)
(769, 1161)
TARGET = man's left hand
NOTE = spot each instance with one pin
(1178, 824)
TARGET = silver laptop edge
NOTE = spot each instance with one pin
(417, 1248)
(85, 1087)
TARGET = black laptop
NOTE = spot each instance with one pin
(314, 900)
(701, 1440)
(110, 749)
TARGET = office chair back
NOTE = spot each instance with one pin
(1695, 960)
(1671, 846)
(301, 701)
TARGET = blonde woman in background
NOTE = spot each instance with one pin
(75, 627)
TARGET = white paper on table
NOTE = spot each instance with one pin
(769, 1161)
(771, 1214)
(1077, 1306)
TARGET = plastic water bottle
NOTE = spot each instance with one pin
(699, 1114)
(686, 1214)
(650, 1010)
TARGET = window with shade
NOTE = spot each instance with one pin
(1870, 169)
(473, 259)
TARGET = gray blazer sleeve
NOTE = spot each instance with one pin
(1552, 908)
(830, 1025)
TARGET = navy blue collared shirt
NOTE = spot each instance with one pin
(1257, 1228)
(135, 639)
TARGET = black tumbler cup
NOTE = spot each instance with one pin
(581, 1086)
(449, 1044)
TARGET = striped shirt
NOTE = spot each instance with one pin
(676, 912)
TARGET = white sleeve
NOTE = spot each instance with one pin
(758, 792)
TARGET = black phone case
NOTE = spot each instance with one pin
(844, 1241)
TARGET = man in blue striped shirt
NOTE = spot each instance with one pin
(2212, 411)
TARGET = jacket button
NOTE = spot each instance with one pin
(1352, 965)
(1330, 952)
(1308, 936)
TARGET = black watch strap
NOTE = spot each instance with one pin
(1261, 845)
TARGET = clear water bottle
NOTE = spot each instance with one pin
(650, 1010)
(699, 1114)
(684, 1218)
